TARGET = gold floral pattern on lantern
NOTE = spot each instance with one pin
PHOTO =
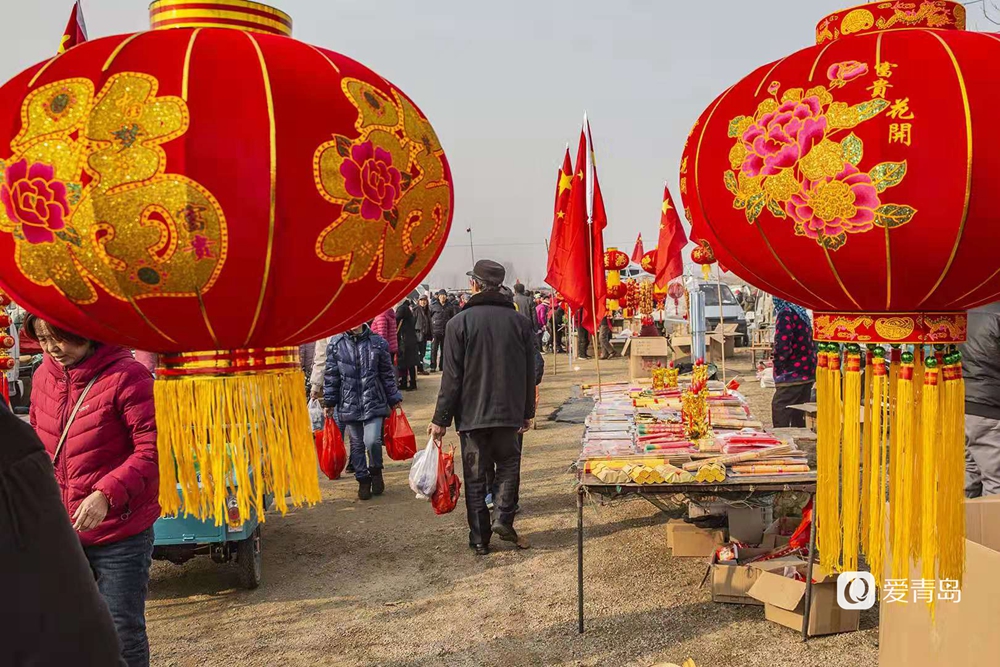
(89, 202)
(792, 161)
(391, 187)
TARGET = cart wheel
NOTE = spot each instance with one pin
(248, 560)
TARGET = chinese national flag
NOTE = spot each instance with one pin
(76, 29)
(582, 262)
(638, 251)
(557, 244)
(669, 260)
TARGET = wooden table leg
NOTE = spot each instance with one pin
(809, 571)
(579, 554)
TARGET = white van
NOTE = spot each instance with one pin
(730, 311)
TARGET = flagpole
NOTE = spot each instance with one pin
(552, 317)
(590, 248)
(722, 321)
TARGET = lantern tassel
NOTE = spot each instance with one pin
(893, 451)
(914, 468)
(828, 460)
(902, 477)
(876, 429)
(851, 492)
(930, 437)
(869, 440)
(241, 435)
(951, 477)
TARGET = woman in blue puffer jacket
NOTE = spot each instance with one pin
(360, 385)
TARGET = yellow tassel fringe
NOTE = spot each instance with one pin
(245, 435)
(851, 492)
(902, 479)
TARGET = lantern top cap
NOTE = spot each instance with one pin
(234, 14)
(876, 17)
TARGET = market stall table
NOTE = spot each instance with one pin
(742, 488)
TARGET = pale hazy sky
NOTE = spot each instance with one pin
(505, 85)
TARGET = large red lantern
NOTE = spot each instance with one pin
(648, 262)
(856, 178)
(215, 185)
(615, 259)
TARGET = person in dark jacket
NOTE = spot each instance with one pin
(794, 363)
(54, 613)
(523, 302)
(422, 323)
(92, 408)
(981, 368)
(406, 359)
(359, 386)
(441, 313)
(488, 390)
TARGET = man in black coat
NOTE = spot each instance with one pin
(488, 389)
(423, 325)
(441, 313)
(523, 302)
(53, 613)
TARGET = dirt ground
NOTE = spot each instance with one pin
(387, 582)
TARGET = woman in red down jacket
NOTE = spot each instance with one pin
(106, 467)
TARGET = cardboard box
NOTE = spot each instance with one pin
(747, 524)
(779, 533)
(784, 598)
(732, 581)
(689, 541)
(645, 354)
(962, 633)
(722, 339)
(670, 531)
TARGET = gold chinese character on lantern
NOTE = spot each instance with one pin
(900, 109)
(879, 88)
(884, 69)
(901, 133)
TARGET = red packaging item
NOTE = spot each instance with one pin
(400, 441)
(449, 486)
(330, 450)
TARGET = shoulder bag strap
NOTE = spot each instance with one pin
(72, 415)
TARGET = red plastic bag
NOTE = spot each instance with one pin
(449, 486)
(330, 449)
(400, 442)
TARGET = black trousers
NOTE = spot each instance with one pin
(437, 352)
(408, 372)
(582, 342)
(421, 353)
(785, 395)
(485, 450)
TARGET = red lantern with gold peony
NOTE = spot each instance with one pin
(703, 255)
(856, 178)
(675, 291)
(218, 192)
(615, 259)
(648, 262)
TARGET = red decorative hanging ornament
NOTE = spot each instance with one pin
(7, 360)
(218, 192)
(676, 291)
(648, 262)
(615, 260)
(851, 179)
(702, 254)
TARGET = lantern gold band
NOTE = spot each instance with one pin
(234, 14)
(903, 328)
(223, 363)
(882, 16)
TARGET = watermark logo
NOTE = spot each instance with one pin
(856, 590)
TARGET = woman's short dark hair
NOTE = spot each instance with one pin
(28, 328)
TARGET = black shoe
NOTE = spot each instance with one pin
(423, 372)
(365, 489)
(349, 468)
(480, 549)
(378, 484)
(504, 532)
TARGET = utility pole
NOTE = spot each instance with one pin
(472, 248)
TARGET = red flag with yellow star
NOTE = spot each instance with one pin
(76, 29)
(638, 251)
(564, 185)
(669, 257)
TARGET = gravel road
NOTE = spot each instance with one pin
(387, 582)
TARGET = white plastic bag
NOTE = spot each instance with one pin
(316, 414)
(423, 472)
